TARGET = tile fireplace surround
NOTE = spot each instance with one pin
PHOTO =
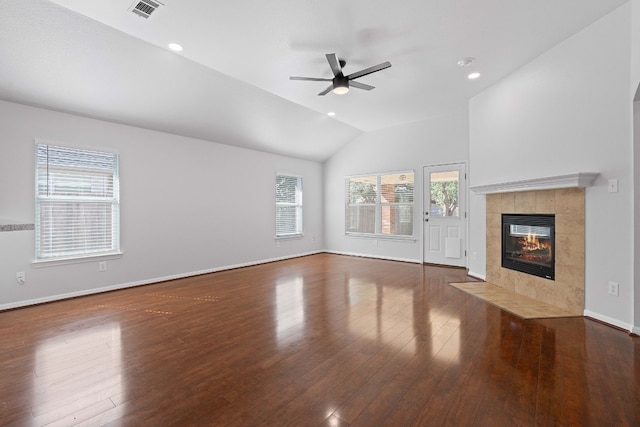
(567, 290)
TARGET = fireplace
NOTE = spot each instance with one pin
(528, 244)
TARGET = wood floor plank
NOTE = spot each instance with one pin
(321, 340)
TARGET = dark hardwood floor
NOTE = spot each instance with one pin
(323, 340)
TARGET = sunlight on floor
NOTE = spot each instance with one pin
(77, 371)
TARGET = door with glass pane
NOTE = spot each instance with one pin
(444, 214)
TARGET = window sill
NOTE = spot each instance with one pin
(76, 260)
(290, 237)
(381, 237)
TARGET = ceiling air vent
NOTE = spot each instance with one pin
(145, 8)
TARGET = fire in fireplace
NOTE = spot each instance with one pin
(528, 244)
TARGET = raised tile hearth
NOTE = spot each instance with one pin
(512, 302)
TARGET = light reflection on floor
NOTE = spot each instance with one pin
(289, 310)
(370, 317)
(81, 370)
(445, 342)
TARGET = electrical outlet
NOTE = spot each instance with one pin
(613, 186)
(102, 266)
(613, 288)
(20, 277)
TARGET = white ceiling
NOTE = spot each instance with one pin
(231, 83)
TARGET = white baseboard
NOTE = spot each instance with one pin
(76, 294)
(636, 330)
(477, 275)
(611, 321)
(415, 261)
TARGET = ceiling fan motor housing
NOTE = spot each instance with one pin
(340, 85)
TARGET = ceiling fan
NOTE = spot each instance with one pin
(340, 83)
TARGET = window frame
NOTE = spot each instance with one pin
(110, 251)
(298, 204)
(379, 205)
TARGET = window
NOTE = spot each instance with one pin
(444, 193)
(380, 204)
(77, 203)
(288, 206)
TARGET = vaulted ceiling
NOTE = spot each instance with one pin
(231, 83)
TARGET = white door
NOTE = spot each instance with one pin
(444, 214)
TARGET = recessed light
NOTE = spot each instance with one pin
(473, 76)
(465, 61)
(331, 114)
(175, 47)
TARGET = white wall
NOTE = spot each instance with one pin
(636, 209)
(635, 44)
(569, 111)
(635, 91)
(186, 205)
(477, 232)
(438, 140)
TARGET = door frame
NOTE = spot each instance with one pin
(426, 206)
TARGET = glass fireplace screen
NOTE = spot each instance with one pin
(528, 244)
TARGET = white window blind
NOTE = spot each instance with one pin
(288, 206)
(77, 202)
(380, 204)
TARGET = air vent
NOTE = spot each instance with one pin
(145, 8)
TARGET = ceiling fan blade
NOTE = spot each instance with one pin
(334, 63)
(310, 79)
(326, 91)
(369, 70)
(361, 85)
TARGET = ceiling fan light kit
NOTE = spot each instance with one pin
(340, 86)
(340, 83)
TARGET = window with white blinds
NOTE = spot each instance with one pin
(288, 206)
(77, 203)
(380, 204)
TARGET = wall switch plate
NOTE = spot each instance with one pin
(613, 186)
(613, 288)
(20, 277)
(102, 266)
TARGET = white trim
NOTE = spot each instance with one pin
(477, 275)
(75, 145)
(289, 236)
(414, 261)
(68, 295)
(294, 175)
(398, 237)
(50, 262)
(580, 180)
(611, 321)
(392, 172)
(636, 330)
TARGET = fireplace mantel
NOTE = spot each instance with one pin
(574, 180)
